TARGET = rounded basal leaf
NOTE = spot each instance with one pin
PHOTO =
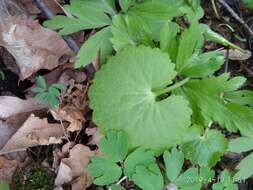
(123, 97)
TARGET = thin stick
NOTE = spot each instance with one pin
(215, 9)
(236, 17)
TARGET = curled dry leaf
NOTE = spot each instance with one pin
(234, 54)
(7, 168)
(33, 46)
(33, 132)
(71, 115)
(77, 96)
(95, 135)
(75, 165)
(64, 175)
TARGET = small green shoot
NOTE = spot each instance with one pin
(4, 185)
(48, 94)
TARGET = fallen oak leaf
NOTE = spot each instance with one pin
(33, 46)
(34, 132)
(71, 115)
(79, 158)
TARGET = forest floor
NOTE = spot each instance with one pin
(30, 159)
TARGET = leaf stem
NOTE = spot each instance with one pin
(173, 87)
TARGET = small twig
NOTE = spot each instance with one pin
(215, 9)
(121, 180)
(49, 14)
(236, 17)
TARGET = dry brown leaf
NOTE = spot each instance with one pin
(33, 46)
(10, 106)
(237, 55)
(14, 111)
(95, 135)
(71, 115)
(6, 133)
(64, 175)
(7, 168)
(33, 132)
(79, 158)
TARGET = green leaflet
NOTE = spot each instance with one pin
(245, 168)
(114, 145)
(86, 15)
(151, 16)
(174, 161)
(189, 180)
(239, 145)
(242, 144)
(128, 31)
(206, 175)
(202, 65)
(206, 149)
(125, 4)
(48, 95)
(4, 185)
(98, 43)
(188, 43)
(248, 3)
(140, 166)
(104, 171)
(242, 97)
(148, 178)
(139, 157)
(168, 39)
(208, 105)
(123, 98)
(225, 182)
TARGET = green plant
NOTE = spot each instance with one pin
(160, 90)
(141, 92)
(140, 167)
(138, 22)
(225, 182)
(48, 94)
(248, 3)
(240, 145)
(33, 178)
(4, 185)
